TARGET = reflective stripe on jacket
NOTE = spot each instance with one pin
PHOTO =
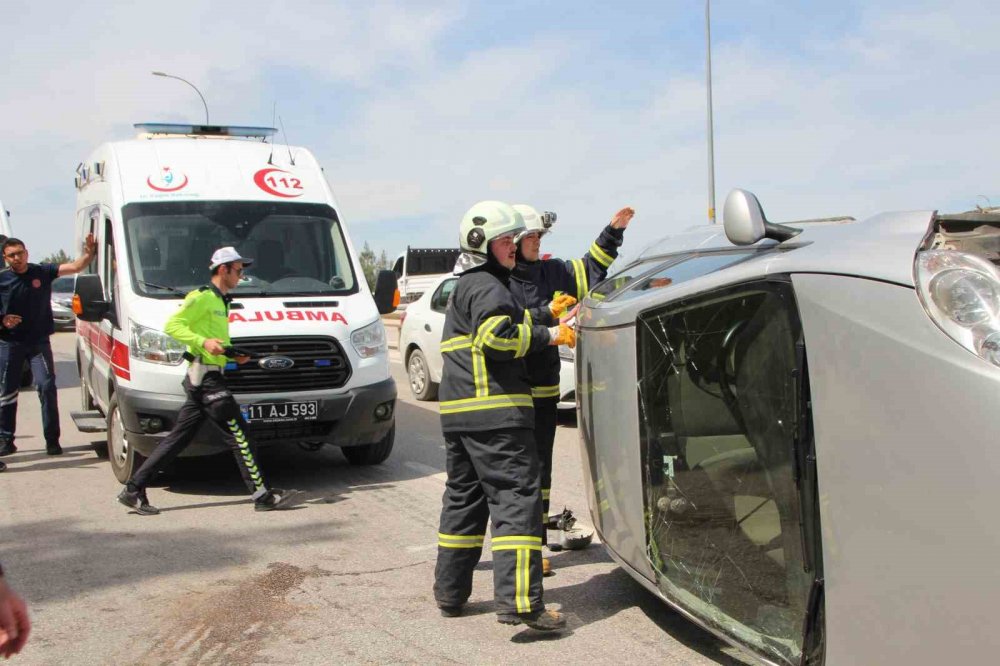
(484, 385)
(535, 283)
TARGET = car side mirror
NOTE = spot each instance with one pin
(744, 221)
(88, 298)
(386, 292)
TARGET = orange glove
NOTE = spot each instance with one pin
(562, 335)
(561, 302)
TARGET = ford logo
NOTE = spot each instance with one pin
(275, 363)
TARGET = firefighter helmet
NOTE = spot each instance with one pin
(486, 221)
(534, 222)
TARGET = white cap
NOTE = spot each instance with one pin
(225, 255)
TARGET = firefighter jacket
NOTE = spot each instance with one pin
(534, 284)
(484, 385)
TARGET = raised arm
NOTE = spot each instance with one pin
(74, 267)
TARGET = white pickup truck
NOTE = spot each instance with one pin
(418, 269)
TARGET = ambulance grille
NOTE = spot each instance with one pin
(320, 363)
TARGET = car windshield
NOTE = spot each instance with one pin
(297, 249)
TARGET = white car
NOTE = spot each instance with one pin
(420, 345)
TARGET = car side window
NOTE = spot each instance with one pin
(439, 301)
(723, 399)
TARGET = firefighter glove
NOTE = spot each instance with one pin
(561, 302)
(562, 335)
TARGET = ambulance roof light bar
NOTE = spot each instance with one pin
(205, 130)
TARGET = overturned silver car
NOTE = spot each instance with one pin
(790, 432)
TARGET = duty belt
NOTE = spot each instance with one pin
(198, 368)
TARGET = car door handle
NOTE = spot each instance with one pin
(427, 327)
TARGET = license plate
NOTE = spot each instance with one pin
(280, 412)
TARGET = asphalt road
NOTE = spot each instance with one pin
(344, 577)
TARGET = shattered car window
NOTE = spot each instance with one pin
(719, 407)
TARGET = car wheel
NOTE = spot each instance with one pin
(124, 459)
(420, 377)
(371, 454)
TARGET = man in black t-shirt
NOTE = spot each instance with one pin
(25, 326)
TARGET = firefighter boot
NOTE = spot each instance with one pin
(547, 620)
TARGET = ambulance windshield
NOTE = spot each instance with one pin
(297, 249)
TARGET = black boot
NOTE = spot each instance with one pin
(137, 501)
(274, 499)
(7, 448)
(53, 449)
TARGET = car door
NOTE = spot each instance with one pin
(434, 325)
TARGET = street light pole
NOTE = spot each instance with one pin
(171, 76)
(708, 86)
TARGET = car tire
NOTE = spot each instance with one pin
(371, 454)
(124, 459)
(419, 376)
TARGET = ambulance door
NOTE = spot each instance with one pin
(111, 347)
(89, 332)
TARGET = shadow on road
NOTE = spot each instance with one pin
(67, 561)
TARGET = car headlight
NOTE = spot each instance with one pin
(154, 346)
(961, 293)
(369, 340)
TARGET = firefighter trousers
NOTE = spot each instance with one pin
(546, 416)
(492, 475)
(211, 400)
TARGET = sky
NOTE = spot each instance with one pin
(417, 110)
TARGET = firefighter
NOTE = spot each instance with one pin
(536, 281)
(487, 420)
(202, 322)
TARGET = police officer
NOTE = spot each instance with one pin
(537, 281)
(486, 416)
(202, 323)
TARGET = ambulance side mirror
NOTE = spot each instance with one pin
(88, 299)
(386, 292)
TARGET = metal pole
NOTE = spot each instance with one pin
(708, 86)
(171, 76)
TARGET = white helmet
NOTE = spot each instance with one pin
(534, 222)
(485, 221)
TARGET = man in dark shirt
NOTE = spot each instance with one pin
(25, 326)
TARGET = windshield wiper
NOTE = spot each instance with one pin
(161, 286)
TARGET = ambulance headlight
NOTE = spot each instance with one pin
(369, 340)
(148, 344)
(961, 293)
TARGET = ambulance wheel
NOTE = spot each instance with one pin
(123, 458)
(420, 377)
(371, 454)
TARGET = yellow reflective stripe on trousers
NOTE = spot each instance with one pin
(580, 273)
(546, 492)
(461, 540)
(485, 402)
(602, 257)
(523, 545)
(545, 391)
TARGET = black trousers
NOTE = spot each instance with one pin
(494, 476)
(213, 401)
(546, 417)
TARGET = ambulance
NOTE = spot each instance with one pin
(159, 205)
